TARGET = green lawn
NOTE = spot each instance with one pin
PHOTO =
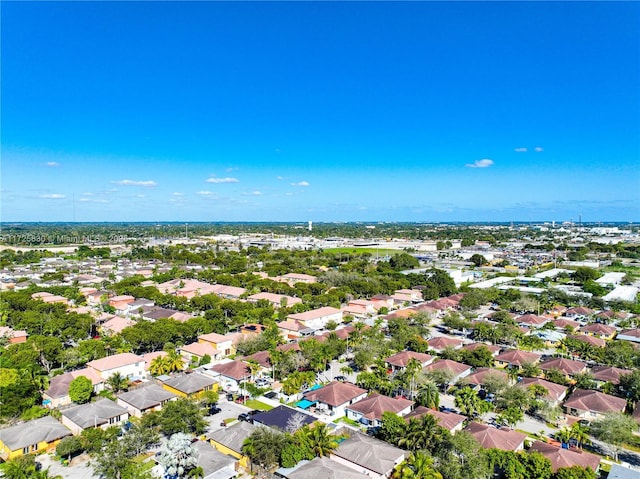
(255, 404)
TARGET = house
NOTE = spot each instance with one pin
(150, 397)
(318, 318)
(495, 350)
(31, 437)
(619, 471)
(50, 298)
(456, 369)
(276, 300)
(128, 365)
(368, 456)
(608, 374)
(322, 467)
(478, 377)
(632, 335)
(283, 418)
(222, 343)
(336, 396)
(58, 392)
(228, 292)
(599, 330)
(399, 361)
(189, 385)
(115, 325)
(214, 464)
(568, 367)
(531, 320)
(555, 392)
(566, 324)
(579, 313)
(229, 440)
(451, 421)
(293, 278)
(197, 351)
(369, 410)
(440, 343)
(148, 357)
(12, 336)
(492, 438)
(232, 373)
(292, 329)
(102, 413)
(561, 457)
(591, 340)
(589, 404)
(120, 302)
(516, 358)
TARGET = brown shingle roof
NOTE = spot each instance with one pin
(335, 393)
(374, 405)
(517, 357)
(608, 373)
(490, 437)
(587, 400)
(560, 457)
(453, 366)
(237, 370)
(402, 358)
(447, 420)
(566, 366)
(480, 374)
(555, 391)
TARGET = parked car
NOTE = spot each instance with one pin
(262, 382)
(340, 378)
(214, 410)
(271, 395)
(229, 397)
(246, 417)
(242, 399)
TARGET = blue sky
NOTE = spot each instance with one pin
(323, 111)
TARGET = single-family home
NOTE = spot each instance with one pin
(283, 418)
(150, 397)
(128, 365)
(222, 343)
(231, 373)
(608, 374)
(335, 397)
(369, 456)
(318, 318)
(292, 329)
(189, 385)
(589, 404)
(197, 351)
(214, 464)
(479, 376)
(102, 413)
(561, 457)
(229, 440)
(516, 358)
(568, 367)
(555, 392)
(293, 278)
(57, 394)
(369, 410)
(399, 361)
(492, 438)
(276, 300)
(531, 320)
(599, 330)
(440, 343)
(31, 437)
(321, 467)
(632, 335)
(11, 336)
(451, 421)
(454, 369)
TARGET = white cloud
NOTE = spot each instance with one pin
(520, 150)
(206, 193)
(93, 200)
(484, 163)
(300, 183)
(140, 196)
(88, 193)
(146, 183)
(53, 196)
(52, 164)
(214, 179)
(280, 178)
(253, 193)
(538, 149)
(177, 193)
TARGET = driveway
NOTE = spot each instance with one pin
(229, 410)
(78, 469)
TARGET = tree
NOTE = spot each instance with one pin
(175, 361)
(183, 416)
(615, 429)
(478, 260)
(159, 366)
(575, 472)
(469, 403)
(264, 447)
(117, 382)
(392, 427)
(178, 456)
(480, 357)
(419, 465)
(630, 385)
(421, 433)
(320, 439)
(68, 446)
(511, 416)
(429, 396)
(461, 456)
(80, 389)
(24, 467)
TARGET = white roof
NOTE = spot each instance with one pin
(490, 283)
(622, 293)
(612, 278)
(552, 273)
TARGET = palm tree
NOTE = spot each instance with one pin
(469, 403)
(117, 382)
(196, 473)
(159, 366)
(419, 465)
(420, 433)
(253, 366)
(429, 395)
(580, 433)
(320, 439)
(175, 361)
(564, 435)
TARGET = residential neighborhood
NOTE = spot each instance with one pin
(350, 366)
